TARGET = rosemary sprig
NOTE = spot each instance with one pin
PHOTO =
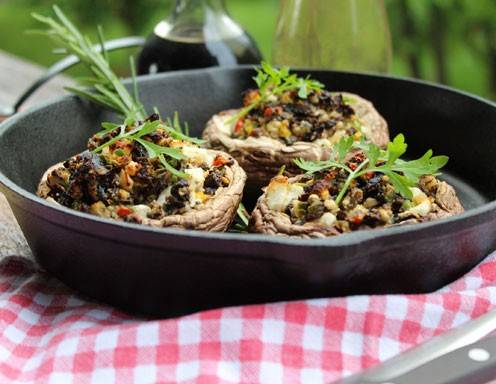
(109, 92)
(108, 88)
(273, 82)
(402, 174)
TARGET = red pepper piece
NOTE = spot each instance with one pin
(124, 211)
(219, 161)
(238, 128)
(357, 220)
(268, 112)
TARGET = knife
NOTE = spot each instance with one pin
(458, 356)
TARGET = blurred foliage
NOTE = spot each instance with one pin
(447, 41)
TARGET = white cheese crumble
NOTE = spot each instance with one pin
(162, 198)
(142, 210)
(422, 205)
(222, 122)
(196, 180)
(280, 193)
(323, 143)
(328, 219)
(199, 156)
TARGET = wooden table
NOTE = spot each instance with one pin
(15, 76)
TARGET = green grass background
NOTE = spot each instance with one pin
(468, 66)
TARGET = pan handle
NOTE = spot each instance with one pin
(71, 60)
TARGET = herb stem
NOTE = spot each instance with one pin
(245, 111)
(352, 176)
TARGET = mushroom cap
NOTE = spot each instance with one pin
(215, 215)
(266, 221)
(262, 157)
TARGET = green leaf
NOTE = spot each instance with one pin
(317, 166)
(129, 122)
(373, 154)
(401, 184)
(155, 150)
(171, 169)
(101, 39)
(147, 128)
(180, 136)
(402, 174)
(396, 148)
(243, 214)
(349, 100)
(343, 146)
(272, 81)
(107, 127)
(174, 128)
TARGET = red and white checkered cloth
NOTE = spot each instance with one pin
(48, 334)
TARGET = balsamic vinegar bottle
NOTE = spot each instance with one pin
(198, 33)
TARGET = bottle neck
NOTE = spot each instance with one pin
(197, 9)
(198, 20)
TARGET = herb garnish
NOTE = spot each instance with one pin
(109, 92)
(272, 82)
(402, 174)
(241, 222)
(153, 150)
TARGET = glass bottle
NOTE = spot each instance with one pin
(333, 34)
(197, 34)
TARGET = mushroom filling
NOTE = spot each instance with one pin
(124, 183)
(371, 200)
(289, 118)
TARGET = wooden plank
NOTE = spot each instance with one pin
(12, 241)
(15, 76)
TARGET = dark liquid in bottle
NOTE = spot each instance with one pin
(160, 54)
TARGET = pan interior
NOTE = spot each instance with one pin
(449, 122)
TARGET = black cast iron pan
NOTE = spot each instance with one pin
(166, 272)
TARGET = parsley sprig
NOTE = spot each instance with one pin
(107, 90)
(137, 134)
(403, 174)
(272, 82)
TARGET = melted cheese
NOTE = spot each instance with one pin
(222, 123)
(199, 156)
(422, 205)
(280, 193)
(323, 143)
(142, 210)
(328, 219)
(162, 198)
(196, 180)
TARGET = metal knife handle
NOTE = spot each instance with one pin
(400, 365)
(474, 364)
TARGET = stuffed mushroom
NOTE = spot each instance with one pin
(145, 170)
(180, 185)
(288, 118)
(370, 189)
